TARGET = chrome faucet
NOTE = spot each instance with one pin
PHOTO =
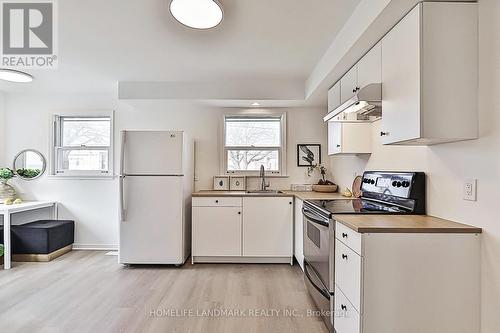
(263, 185)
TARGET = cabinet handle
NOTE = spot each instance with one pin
(239, 213)
(354, 90)
(344, 256)
(344, 235)
(338, 146)
(216, 201)
(384, 133)
(343, 307)
(290, 202)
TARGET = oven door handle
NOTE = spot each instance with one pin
(310, 217)
(323, 292)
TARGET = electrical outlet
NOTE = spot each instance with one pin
(470, 192)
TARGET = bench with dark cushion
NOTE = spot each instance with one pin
(43, 237)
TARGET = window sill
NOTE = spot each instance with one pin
(82, 177)
(257, 176)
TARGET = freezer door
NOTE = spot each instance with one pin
(152, 153)
(152, 228)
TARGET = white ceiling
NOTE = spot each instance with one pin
(104, 42)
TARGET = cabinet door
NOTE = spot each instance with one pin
(348, 84)
(217, 231)
(356, 138)
(298, 233)
(401, 80)
(334, 138)
(334, 97)
(347, 319)
(370, 67)
(267, 227)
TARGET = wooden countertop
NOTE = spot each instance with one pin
(310, 195)
(287, 193)
(209, 193)
(403, 224)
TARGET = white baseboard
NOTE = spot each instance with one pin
(95, 247)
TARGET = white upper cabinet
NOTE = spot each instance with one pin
(429, 76)
(349, 84)
(334, 97)
(368, 70)
(401, 81)
(370, 67)
(349, 138)
(334, 138)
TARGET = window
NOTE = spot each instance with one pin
(254, 140)
(82, 146)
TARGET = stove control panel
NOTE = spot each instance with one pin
(389, 183)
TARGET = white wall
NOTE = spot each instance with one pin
(448, 165)
(2, 130)
(93, 203)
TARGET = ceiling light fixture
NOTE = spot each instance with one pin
(197, 14)
(255, 104)
(12, 75)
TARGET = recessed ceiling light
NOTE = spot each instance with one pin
(255, 104)
(197, 14)
(12, 75)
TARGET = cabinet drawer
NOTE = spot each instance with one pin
(348, 273)
(349, 237)
(217, 202)
(347, 319)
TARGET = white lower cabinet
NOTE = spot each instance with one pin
(348, 273)
(267, 226)
(347, 319)
(244, 229)
(298, 231)
(217, 231)
(406, 282)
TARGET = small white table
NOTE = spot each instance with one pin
(7, 210)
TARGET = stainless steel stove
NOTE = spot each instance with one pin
(383, 193)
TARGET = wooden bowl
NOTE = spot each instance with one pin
(325, 188)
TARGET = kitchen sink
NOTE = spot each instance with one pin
(265, 192)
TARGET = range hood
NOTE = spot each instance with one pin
(366, 105)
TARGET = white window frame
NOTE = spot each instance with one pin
(56, 145)
(282, 149)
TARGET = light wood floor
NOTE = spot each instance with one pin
(86, 291)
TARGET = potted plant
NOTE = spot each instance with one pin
(324, 185)
(6, 191)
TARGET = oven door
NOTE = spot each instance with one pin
(317, 246)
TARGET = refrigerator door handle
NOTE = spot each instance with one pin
(123, 213)
(122, 153)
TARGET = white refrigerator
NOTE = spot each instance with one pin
(155, 187)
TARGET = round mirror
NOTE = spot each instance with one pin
(29, 164)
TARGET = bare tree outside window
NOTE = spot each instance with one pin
(83, 144)
(86, 132)
(252, 142)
